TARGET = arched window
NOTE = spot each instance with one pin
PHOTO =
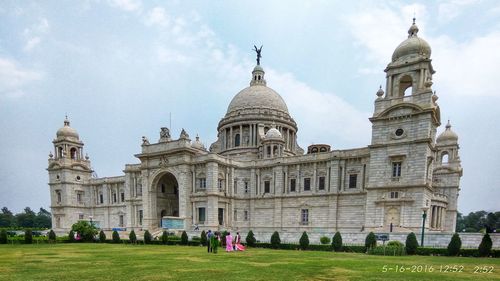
(60, 150)
(314, 150)
(275, 150)
(269, 151)
(323, 149)
(237, 140)
(73, 153)
(444, 157)
(405, 86)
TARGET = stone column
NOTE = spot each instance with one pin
(231, 137)
(314, 186)
(241, 135)
(212, 198)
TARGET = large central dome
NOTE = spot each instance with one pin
(257, 97)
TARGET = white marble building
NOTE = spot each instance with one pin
(255, 176)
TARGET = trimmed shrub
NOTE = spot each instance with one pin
(116, 237)
(203, 238)
(394, 243)
(485, 246)
(28, 236)
(304, 241)
(3, 236)
(86, 231)
(147, 237)
(455, 245)
(133, 238)
(388, 250)
(324, 240)
(337, 242)
(223, 239)
(275, 240)
(164, 237)
(71, 237)
(102, 237)
(250, 239)
(370, 241)
(52, 236)
(184, 238)
(411, 244)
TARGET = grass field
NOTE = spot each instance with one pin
(155, 262)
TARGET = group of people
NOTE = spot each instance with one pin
(232, 243)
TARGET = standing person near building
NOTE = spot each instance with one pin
(214, 241)
(209, 241)
(237, 243)
(229, 242)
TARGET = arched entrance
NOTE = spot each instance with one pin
(167, 197)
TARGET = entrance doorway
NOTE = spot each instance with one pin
(167, 197)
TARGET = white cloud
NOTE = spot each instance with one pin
(35, 33)
(166, 55)
(127, 5)
(449, 10)
(13, 78)
(157, 16)
(32, 43)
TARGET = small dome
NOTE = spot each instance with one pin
(273, 133)
(198, 144)
(412, 47)
(67, 132)
(447, 135)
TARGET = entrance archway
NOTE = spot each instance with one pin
(167, 197)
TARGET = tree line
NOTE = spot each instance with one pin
(480, 221)
(26, 219)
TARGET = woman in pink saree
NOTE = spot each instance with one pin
(237, 243)
(229, 242)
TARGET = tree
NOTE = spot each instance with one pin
(102, 237)
(337, 242)
(411, 244)
(28, 236)
(250, 239)
(71, 236)
(370, 241)
(132, 237)
(203, 238)
(223, 238)
(86, 231)
(275, 240)
(304, 241)
(324, 240)
(26, 219)
(147, 237)
(6, 218)
(164, 237)
(460, 226)
(3, 236)
(485, 246)
(454, 245)
(184, 238)
(116, 237)
(52, 236)
(491, 222)
(43, 219)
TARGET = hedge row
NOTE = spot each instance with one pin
(312, 247)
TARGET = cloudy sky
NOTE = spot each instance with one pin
(119, 68)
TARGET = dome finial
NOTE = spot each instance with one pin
(66, 120)
(413, 29)
(448, 126)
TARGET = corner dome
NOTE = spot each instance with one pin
(448, 135)
(67, 132)
(412, 47)
(198, 144)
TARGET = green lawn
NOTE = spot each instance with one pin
(154, 262)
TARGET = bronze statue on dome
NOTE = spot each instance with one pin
(258, 51)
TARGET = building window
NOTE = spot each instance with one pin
(394, 194)
(59, 196)
(101, 198)
(80, 216)
(353, 180)
(162, 188)
(307, 184)
(138, 190)
(304, 216)
(114, 197)
(221, 185)
(235, 215)
(267, 186)
(292, 185)
(246, 187)
(321, 185)
(396, 169)
(121, 221)
(237, 140)
(202, 183)
(235, 184)
(122, 197)
(201, 215)
(245, 215)
(79, 197)
(140, 217)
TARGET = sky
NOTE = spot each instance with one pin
(120, 68)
